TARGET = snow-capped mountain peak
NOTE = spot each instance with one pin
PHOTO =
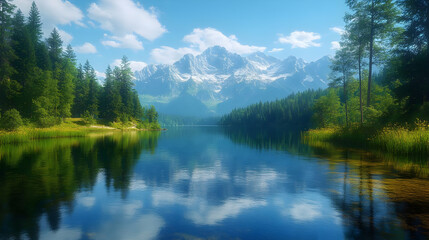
(222, 80)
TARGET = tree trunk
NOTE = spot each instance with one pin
(360, 86)
(345, 100)
(371, 53)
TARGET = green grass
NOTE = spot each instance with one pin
(395, 139)
(74, 127)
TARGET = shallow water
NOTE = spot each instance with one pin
(208, 183)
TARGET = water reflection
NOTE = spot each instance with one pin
(193, 183)
(40, 179)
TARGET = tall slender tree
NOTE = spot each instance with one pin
(55, 48)
(7, 88)
(342, 67)
(381, 17)
(356, 39)
(23, 63)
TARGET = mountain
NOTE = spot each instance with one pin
(217, 81)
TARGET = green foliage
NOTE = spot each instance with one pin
(42, 116)
(296, 109)
(88, 118)
(11, 120)
(327, 110)
(41, 80)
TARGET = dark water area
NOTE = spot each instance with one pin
(208, 183)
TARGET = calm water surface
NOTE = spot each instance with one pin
(208, 183)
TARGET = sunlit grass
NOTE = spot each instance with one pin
(393, 139)
(73, 127)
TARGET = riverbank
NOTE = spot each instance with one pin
(73, 127)
(396, 140)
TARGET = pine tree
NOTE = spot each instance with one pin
(55, 48)
(66, 87)
(93, 90)
(7, 87)
(343, 64)
(34, 24)
(414, 54)
(81, 93)
(381, 16)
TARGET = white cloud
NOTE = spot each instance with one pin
(200, 40)
(276, 50)
(66, 37)
(211, 215)
(53, 12)
(209, 37)
(100, 75)
(86, 48)
(87, 201)
(125, 19)
(305, 212)
(135, 66)
(144, 227)
(169, 55)
(335, 45)
(301, 39)
(128, 41)
(337, 30)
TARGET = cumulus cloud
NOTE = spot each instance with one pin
(66, 37)
(86, 48)
(209, 37)
(53, 12)
(276, 50)
(199, 40)
(126, 20)
(301, 39)
(337, 30)
(169, 55)
(128, 41)
(335, 45)
(134, 65)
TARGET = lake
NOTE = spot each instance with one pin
(208, 183)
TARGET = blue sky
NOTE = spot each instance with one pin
(161, 31)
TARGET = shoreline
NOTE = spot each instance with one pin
(64, 130)
(394, 140)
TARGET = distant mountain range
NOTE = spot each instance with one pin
(217, 81)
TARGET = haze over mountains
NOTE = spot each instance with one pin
(217, 81)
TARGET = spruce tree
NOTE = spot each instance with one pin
(55, 48)
(7, 88)
(23, 63)
(34, 24)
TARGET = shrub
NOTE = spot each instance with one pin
(11, 120)
(88, 118)
(43, 119)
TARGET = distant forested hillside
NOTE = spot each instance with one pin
(294, 110)
(42, 84)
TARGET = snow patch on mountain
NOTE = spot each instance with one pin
(223, 80)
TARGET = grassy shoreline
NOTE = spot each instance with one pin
(396, 140)
(70, 128)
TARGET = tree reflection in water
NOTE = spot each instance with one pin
(42, 177)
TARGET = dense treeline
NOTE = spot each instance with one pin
(293, 110)
(41, 84)
(393, 35)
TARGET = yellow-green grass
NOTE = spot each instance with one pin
(73, 127)
(397, 140)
